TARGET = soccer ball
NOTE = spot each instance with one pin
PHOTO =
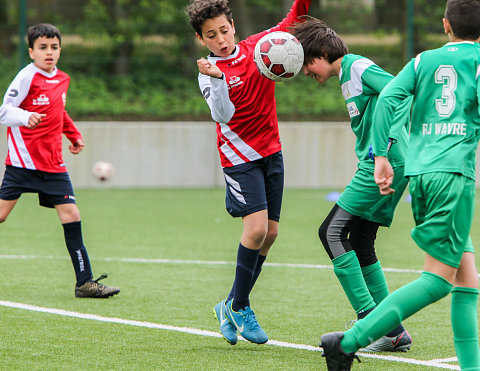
(102, 170)
(278, 56)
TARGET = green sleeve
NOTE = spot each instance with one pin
(478, 88)
(391, 98)
(374, 79)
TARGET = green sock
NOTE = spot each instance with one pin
(465, 327)
(399, 305)
(348, 271)
(376, 282)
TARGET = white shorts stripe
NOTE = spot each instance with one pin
(237, 195)
(233, 182)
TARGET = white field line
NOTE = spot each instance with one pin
(193, 262)
(439, 363)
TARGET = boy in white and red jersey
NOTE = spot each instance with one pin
(34, 111)
(242, 102)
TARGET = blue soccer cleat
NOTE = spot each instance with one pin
(227, 329)
(246, 324)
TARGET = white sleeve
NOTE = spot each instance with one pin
(215, 92)
(10, 113)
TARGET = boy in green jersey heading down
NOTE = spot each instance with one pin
(349, 231)
(440, 163)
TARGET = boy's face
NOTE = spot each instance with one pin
(218, 35)
(45, 53)
(320, 70)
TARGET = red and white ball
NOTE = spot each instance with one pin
(102, 170)
(278, 56)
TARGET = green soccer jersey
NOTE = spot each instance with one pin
(362, 81)
(445, 124)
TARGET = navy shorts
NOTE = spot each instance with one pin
(52, 188)
(255, 186)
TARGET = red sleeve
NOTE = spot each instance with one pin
(299, 8)
(69, 128)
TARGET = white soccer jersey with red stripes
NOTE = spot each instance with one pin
(34, 90)
(242, 102)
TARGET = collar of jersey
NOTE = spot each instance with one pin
(234, 54)
(460, 42)
(39, 70)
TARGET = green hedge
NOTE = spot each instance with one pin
(162, 89)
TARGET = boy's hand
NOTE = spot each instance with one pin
(209, 69)
(383, 175)
(34, 120)
(77, 147)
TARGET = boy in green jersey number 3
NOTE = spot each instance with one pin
(349, 231)
(440, 162)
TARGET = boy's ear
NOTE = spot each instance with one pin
(30, 52)
(200, 38)
(446, 26)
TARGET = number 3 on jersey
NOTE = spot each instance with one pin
(447, 76)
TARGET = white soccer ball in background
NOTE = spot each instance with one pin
(278, 56)
(102, 170)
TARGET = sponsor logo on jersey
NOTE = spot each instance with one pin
(42, 100)
(234, 82)
(237, 61)
(352, 109)
(452, 49)
(52, 81)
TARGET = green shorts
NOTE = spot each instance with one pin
(362, 197)
(443, 206)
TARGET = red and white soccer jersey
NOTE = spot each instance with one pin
(243, 101)
(34, 90)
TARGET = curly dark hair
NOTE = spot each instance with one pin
(199, 11)
(318, 40)
(464, 18)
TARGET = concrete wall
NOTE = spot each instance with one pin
(184, 154)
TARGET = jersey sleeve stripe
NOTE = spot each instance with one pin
(355, 86)
(417, 61)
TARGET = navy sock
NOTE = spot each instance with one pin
(77, 251)
(258, 269)
(246, 264)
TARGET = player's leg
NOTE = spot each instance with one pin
(362, 237)
(334, 234)
(6, 206)
(442, 233)
(246, 198)
(464, 314)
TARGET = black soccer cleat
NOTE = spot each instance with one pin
(337, 359)
(95, 289)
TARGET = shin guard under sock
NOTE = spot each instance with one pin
(465, 327)
(399, 305)
(258, 269)
(78, 252)
(348, 271)
(246, 264)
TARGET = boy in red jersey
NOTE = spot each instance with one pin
(242, 102)
(34, 111)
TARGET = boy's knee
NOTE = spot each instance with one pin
(2, 218)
